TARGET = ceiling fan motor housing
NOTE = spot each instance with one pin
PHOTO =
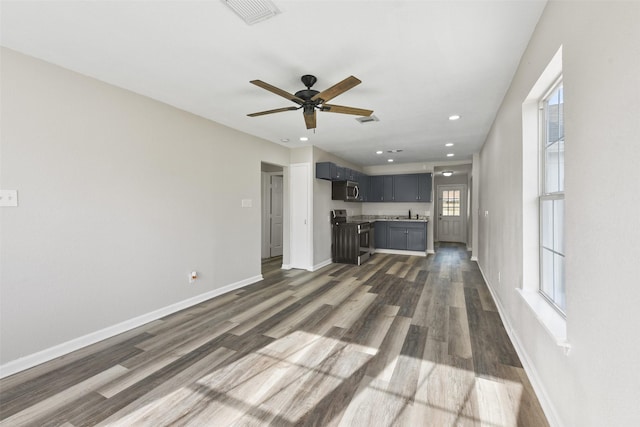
(306, 94)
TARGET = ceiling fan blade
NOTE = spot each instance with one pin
(278, 91)
(345, 110)
(310, 120)
(337, 89)
(277, 110)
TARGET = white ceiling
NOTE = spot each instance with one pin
(419, 62)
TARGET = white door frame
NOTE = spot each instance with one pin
(266, 212)
(278, 235)
(266, 209)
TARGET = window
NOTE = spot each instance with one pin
(551, 199)
(451, 203)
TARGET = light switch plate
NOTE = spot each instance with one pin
(8, 198)
(247, 203)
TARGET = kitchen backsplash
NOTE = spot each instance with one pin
(396, 209)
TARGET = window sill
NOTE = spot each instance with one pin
(549, 318)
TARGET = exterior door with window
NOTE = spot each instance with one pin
(452, 213)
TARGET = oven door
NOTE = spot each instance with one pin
(364, 242)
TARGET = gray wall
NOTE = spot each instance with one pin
(598, 382)
(120, 198)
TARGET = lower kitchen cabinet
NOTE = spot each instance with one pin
(408, 236)
(401, 235)
(380, 234)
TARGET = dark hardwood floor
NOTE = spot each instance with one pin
(398, 341)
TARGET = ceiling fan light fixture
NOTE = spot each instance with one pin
(252, 11)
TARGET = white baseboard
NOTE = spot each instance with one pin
(286, 267)
(399, 252)
(322, 264)
(51, 353)
(529, 367)
(475, 258)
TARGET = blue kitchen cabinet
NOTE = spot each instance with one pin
(407, 236)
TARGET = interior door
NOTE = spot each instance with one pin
(276, 215)
(452, 213)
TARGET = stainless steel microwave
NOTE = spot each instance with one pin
(345, 190)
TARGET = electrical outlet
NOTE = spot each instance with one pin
(9, 198)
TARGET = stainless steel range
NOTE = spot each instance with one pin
(351, 241)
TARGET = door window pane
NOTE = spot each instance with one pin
(450, 202)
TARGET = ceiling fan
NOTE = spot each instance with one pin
(311, 100)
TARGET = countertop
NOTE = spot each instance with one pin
(374, 218)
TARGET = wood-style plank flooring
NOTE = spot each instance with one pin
(398, 341)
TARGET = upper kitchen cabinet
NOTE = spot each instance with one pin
(425, 182)
(363, 186)
(351, 175)
(330, 171)
(412, 187)
(400, 188)
(381, 188)
(405, 188)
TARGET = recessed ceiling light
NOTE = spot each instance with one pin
(284, 140)
(454, 117)
(304, 138)
(450, 155)
(379, 152)
(390, 160)
(447, 173)
(449, 144)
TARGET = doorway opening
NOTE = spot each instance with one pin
(272, 216)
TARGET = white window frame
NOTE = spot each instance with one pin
(545, 197)
(552, 321)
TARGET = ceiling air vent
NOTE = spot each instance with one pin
(367, 119)
(252, 11)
